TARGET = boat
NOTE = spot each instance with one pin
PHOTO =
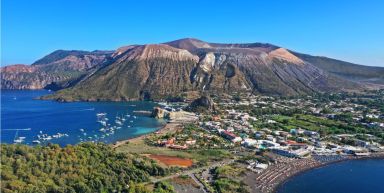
(101, 114)
(118, 122)
(36, 142)
(18, 140)
(104, 123)
(47, 138)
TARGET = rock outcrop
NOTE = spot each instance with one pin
(202, 104)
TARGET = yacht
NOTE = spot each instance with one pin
(36, 142)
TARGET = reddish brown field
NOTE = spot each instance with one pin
(172, 160)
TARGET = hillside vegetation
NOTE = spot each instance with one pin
(86, 167)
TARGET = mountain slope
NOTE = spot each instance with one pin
(55, 68)
(175, 68)
(346, 70)
(182, 67)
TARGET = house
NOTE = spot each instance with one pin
(230, 136)
(190, 142)
(287, 152)
(247, 142)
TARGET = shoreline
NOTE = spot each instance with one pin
(140, 137)
(298, 171)
(170, 126)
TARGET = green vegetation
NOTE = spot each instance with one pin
(86, 167)
(228, 179)
(163, 187)
(322, 125)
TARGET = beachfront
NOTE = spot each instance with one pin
(275, 175)
(172, 125)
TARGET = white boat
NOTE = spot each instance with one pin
(104, 123)
(36, 142)
(18, 140)
(47, 138)
(101, 114)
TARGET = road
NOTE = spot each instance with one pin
(202, 187)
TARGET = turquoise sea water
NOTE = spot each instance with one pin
(20, 111)
(354, 176)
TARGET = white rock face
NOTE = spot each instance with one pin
(221, 59)
(208, 62)
(165, 51)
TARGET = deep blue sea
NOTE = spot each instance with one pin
(23, 116)
(354, 176)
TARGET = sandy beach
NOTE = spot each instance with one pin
(275, 175)
(171, 126)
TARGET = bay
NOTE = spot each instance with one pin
(24, 116)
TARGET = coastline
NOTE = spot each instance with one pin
(297, 171)
(170, 126)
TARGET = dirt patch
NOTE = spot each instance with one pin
(172, 160)
(185, 181)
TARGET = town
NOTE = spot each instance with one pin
(273, 138)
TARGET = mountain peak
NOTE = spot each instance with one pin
(189, 44)
(284, 54)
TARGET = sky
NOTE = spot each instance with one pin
(343, 29)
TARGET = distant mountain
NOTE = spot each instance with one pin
(189, 66)
(346, 70)
(56, 68)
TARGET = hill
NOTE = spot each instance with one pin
(51, 71)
